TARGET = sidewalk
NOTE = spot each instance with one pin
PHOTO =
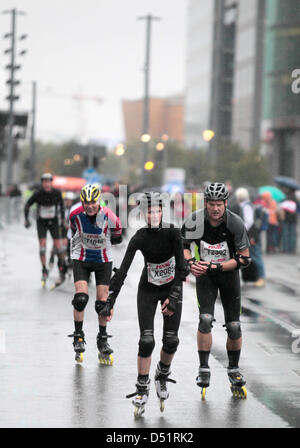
(279, 300)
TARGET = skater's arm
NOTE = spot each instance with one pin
(61, 207)
(181, 270)
(118, 278)
(115, 226)
(29, 203)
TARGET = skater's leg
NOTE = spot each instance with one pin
(81, 286)
(102, 294)
(232, 305)
(42, 242)
(207, 292)
(231, 300)
(146, 305)
(61, 253)
(143, 365)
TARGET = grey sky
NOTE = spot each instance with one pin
(96, 48)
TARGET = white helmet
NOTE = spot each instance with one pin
(242, 194)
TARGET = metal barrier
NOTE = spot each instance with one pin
(11, 210)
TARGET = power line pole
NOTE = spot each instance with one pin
(11, 97)
(32, 134)
(148, 19)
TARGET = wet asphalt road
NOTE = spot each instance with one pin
(42, 386)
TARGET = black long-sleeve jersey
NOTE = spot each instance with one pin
(163, 255)
(219, 243)
(49, 204)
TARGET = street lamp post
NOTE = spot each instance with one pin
(12, 83)
(144, 156)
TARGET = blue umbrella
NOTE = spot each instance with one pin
(288, 182)
(276, 193)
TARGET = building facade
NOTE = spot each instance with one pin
(165, 117)
(240, 60)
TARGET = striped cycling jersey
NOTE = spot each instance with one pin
(91, 239)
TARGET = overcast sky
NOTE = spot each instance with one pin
(95, 48)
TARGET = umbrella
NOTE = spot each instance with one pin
(276, 193)
(288, 182)
(289, 206)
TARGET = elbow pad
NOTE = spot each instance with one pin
(242, 261)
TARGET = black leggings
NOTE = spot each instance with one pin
(228, 283)
(147, 300)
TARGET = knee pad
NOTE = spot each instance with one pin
(170, 342)
(233, 329)
(80, 301)
(146, 344)
(61, 250)
(205, 323)
(42, 251)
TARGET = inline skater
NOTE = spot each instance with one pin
(50, 211)
(94, 229)
(69, 199)
(223, 249)
(160, 281)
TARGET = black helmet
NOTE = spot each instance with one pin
(46, 176)
(150, 199)
(216, 192)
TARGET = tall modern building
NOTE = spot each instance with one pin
(281, 103)
(165, 117)
(240, 58)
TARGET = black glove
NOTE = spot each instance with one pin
(117, 281)
(174, 296)
(186, 268)
(214, 268)
(27, 224)
(108, 305)
(102, 308)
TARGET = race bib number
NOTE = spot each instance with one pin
(92, 241)
(214, 252)
(161, 273)
(47, 212)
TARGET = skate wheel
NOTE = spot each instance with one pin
(106, 360)
(239, 392)
(43, 284)
(162, 405)
(79, 357)
(243, 392)
(203, 393)
(138, 411)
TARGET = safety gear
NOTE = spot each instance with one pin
(80, 301)
(104, 308)
(46, 176)
(90, 193)
(146, 344)
(170, 342)
(242, 194)
(205, 323)
(27, 224)
(150, 199)
(233, 329)
(242, 261)
(42, 251)
(216, 192)
(214, 268)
